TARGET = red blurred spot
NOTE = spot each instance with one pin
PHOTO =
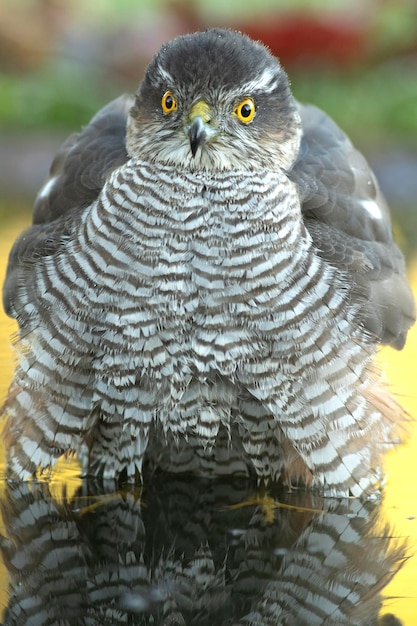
(299, 39)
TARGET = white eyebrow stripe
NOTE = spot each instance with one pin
(166, 76)
(267, 82)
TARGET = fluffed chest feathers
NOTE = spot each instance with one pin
(201, 269)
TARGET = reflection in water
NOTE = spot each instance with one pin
(193, 553)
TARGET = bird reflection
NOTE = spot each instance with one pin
(193, 553)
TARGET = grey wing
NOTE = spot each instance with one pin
(77, 174)
(350, 225)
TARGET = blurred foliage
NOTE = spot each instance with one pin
(57, 95)
(379, 103)
(61, 60)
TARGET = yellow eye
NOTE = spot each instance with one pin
(168, 102)
(245, 110)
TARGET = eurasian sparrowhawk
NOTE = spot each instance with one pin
(209, 272)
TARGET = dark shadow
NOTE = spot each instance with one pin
(193, 552)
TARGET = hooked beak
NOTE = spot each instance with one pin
(199, 128)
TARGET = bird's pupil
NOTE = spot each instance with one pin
(169, 102)
(246, 110)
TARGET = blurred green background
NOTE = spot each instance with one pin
(61, 60)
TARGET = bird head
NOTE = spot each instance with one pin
(215, 100)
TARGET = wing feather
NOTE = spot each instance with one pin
(350, 225)
(77, 175)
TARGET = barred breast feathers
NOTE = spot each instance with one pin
(185, 293)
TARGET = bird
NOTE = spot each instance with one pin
(208, 276)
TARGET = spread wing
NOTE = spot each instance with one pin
(77, 175)
(350, 225)
(343, 210)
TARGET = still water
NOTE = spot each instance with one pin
(182, 551)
